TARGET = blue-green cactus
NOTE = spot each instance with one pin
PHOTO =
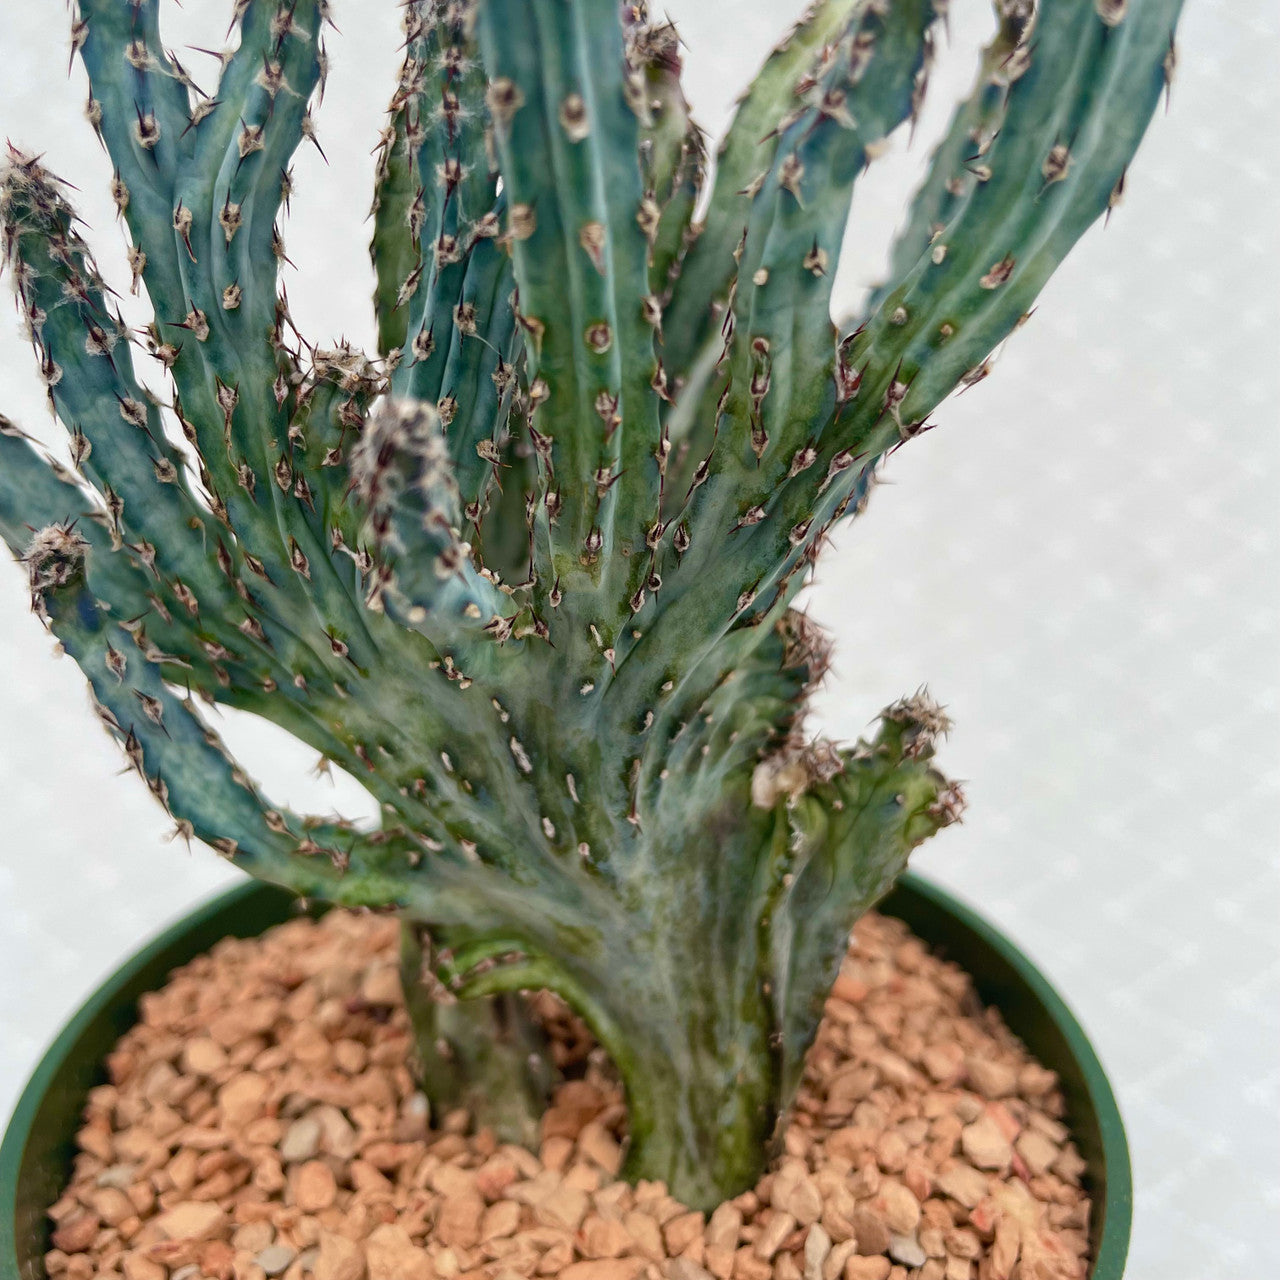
(528, 571)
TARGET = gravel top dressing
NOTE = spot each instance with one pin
(262, 1120)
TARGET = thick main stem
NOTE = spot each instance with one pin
(702, 1110)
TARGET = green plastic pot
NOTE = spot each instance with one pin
(35, 1157)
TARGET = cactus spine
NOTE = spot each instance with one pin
(527, 572)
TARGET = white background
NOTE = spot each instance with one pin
(1080, 562)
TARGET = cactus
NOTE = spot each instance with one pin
(528, 572)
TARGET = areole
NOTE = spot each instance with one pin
(36, 1152)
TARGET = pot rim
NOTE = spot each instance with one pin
(911, 898)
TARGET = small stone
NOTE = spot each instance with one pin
(253, 1237)
(120, 1176)
(1004, 1249)
(458, 1222)
(817, 1247)
(339, 1258)
(725, 1226)
(985, 1145)
(113, 1206)
(203, 1056)
(944, 1062)
(1069, 1165)
(314, 1186)
(682, 1230)
(876, 1267)
(603, 1238)
(242, 1098)
(500, 1220)
(891, 1152)
(597, 1144)
(275, 1258)
(804, 1202)
(137, 1266)
(1036, 1150)
(301, 1140)
(962, 1243)
(77, 1233)
(900, 1208)
(337, 1135)
(391, 1255)
(870, 1231)
(849, 989)
(907, 1250)
(775, 1231)
(604, 1269)
(686, 1269)
(381, 985)
(646, 1234)
(963, 1183)
(991, 1078)
(192, 1220)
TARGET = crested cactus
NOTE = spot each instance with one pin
(527, 572)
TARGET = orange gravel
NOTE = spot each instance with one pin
(262, 1121)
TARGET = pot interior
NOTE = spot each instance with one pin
(40, 1141)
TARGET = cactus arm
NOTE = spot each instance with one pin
(187, 768)
(672, 151)
(178, 756)
(35, 491)
(441, 102)
(847, 840)
(426, 578)
(1087, 86)
(116, 431)
(117, 436)
(974, 124)
(890, 374)
(692, 322)
(781, 347)
(568, 142)
(205, 271)
(233, 189)
(479, 378)
(396, 245)
(131, 79)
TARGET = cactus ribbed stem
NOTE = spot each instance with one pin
(528, 572)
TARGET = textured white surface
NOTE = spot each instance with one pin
(1081, 562)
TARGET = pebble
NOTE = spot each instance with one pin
(194, 1220)
(242, 1098)
(776, 1230)
(203, 1056)
(604, 1269)
(301, 1140)
(275, 1259)
(339, 1258)
(985, 1144)
(817, 1247)
(314, 1186)
(391, 1255)
(262, 1122)
(870, 1231)
(867, 1268)
(907, 1250)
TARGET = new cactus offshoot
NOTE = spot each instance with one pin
(527, 570)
